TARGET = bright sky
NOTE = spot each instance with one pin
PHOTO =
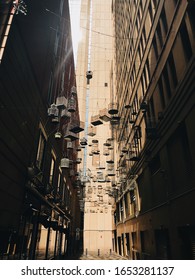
(75, 23)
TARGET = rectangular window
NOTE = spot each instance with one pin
(41, 150)
(52, 169)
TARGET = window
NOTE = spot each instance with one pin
(52, 169)
(41, 150)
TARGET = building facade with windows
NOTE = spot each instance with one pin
(39, 209)
(154, 55)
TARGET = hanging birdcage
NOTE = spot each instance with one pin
(72, 104)
(77, 126)
(78, 149)
(58, 135)
(110, 160)
(78, 160)
(113, 108)
(115, 119)
(104, 115)
(83, 141)
(124, 150)
(95, 149)
(111, 173)
(65, 114)
(91, 131)
(106, 151)
(53, 111)
(73, 90)
(89, 74)
(95, 120)
(69, 145)
(64, 163)
(70, 136)
(61, 102)
(102, 165)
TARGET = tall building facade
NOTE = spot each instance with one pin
(154, 54)
(95, 83)
(39, 209)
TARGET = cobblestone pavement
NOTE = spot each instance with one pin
(111, 256)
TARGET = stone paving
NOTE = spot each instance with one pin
(111, 256)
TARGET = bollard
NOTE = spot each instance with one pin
(110, 251)
(86, 252)
(98, 252)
